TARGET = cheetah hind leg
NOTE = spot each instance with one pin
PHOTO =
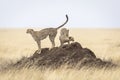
(39, 47)
(52, 39)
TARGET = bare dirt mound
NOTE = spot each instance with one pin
(72, 55)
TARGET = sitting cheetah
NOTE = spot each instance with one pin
(64, 36)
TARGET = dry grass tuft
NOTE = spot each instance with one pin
(61, 74)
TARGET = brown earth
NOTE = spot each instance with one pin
(73, 55)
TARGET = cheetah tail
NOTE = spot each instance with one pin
(64, 22)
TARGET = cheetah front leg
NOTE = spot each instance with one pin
(52, 39)
(68, 42)
(39, 46)
(61, 43)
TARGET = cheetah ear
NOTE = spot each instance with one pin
(31, 30)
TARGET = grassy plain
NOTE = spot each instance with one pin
(105, 43)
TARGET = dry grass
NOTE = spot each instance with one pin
(105, 43)
(61, 74)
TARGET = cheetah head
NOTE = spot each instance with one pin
(71, 38)
(29, 31)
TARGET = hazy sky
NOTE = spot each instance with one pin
(51, 13)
